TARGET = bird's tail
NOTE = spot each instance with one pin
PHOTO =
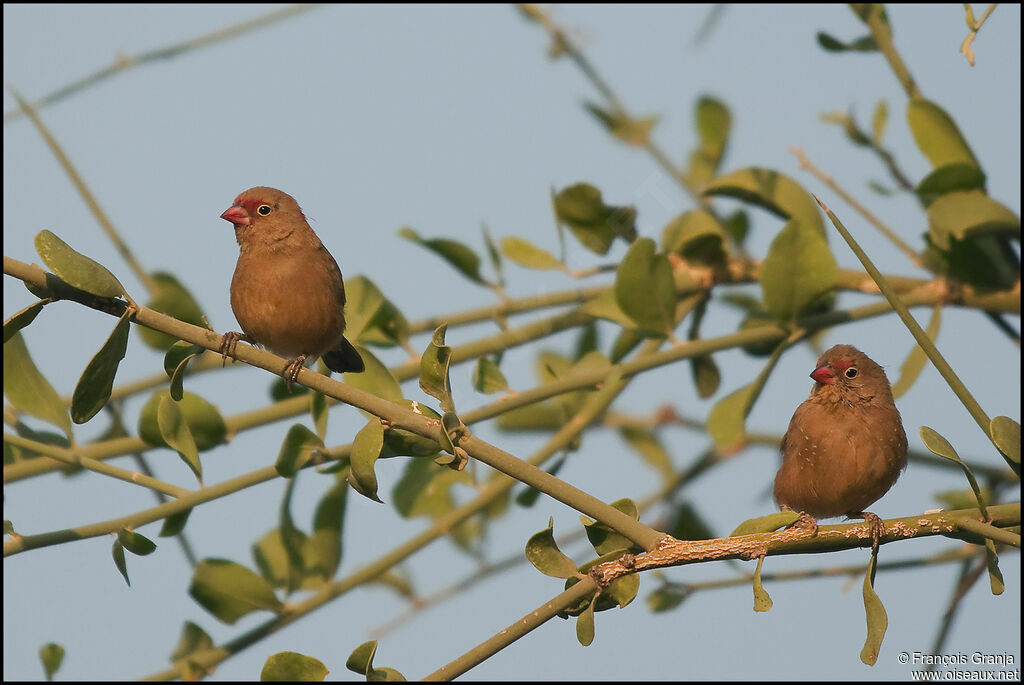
(344, 359)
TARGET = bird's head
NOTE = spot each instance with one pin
(845, 373)
(264, 214)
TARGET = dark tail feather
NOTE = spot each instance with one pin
(344, 359)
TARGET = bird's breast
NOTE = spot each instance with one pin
(291, 304)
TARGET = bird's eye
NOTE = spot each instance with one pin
(263, 210)
(851, 372)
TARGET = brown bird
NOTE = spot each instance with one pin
(845, 446)
(287, 292)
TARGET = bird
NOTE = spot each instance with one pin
(845, 446)
(287, 292)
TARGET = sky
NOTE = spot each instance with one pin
(444, 119)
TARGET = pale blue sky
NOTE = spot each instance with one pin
(443, 118)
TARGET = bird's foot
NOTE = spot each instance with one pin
(228, 343)
(291, 370)
(806, 522)
(876, 526)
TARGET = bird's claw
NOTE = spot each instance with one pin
(291, 370)
(806, 522)
(875, 525)
(228, 343)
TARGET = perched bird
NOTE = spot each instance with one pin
(845, 446)
(287, 292)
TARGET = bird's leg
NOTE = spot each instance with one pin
(876, 526)
(291, 370)
(228, 343)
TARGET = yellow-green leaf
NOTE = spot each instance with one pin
(76, 269)
(229, 590)
(458, 255)
(542, 551)
(370, 317)
(799, 272)
(173, 299)
(762, 600)
(285, 667)
(487, 377)
(51, 655)
(365, 450)
(23, 318)
(174, 430)
(203, 419)
(434, 369)
(28, 390)
(937, 135)
(296, 450)
(594, 223)
(525, 253)
(969, 214)
(874, 612)
(645, 289)
(776, 192)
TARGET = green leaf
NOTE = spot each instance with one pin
(193, 639)
(296, 450)
(361, 661)
(762, 601)
(874, 612)
(798, 273)
(621, 591)
(173, 299)
(402, 443)
(605, 540)
(324, 545)
(970, 214)
(488, 378)
(119, 561)
(365, 450)
(594, 223)
(766, 524)
(950, 178)
(606, 306)
(667, 598)
(275, 561)
(645, 441)
(458, 255)
(176, 362)
(493, 254)
(203, 419)
(51, 655)
(831, 44)
(697, 236)
(525, 253)
(626, 129)
(727, 418)
(229, 590)
(23, 318)
(705, 375)
(937, 134)
(286, 667)
(28, 390)
(174, 430)
(645, 289)
(76, 269)
(370, 317)
(426, 490)
(434, 369)
(93, 388)
(1006, 435)
(376, 379)
(585, 625)
(136, 543)
(776, 192)
(175, 523)
(542, 551)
